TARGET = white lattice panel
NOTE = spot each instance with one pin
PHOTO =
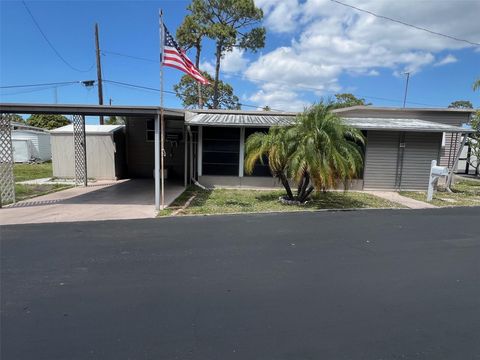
(7, 180)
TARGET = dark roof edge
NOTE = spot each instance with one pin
(246, 112)
(382, 108)
(82, 109)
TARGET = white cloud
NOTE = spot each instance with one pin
(449, 59)
(282, 15)
(331, 40)
(208, 67)
(279, 98)
(234, 61)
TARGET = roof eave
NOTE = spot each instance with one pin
(87, 110)
(384, 108)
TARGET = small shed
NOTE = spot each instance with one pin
(30, 143)
(106, 158)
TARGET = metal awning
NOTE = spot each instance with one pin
(235, 119)
(384, 124)
(267, 120)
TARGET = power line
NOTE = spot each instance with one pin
(280, 82)
(36, 89)
(50, 43)
(139, 86)
(172, 92)
(129, 56)
(406, 24)
(44, 84)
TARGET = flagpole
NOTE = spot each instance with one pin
(162, 120)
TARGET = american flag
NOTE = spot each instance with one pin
(175, 57)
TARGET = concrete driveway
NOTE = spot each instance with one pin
(373, 284)
(124, 199)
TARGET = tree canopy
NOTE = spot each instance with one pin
(343, 100)
(115, 120)
(13, 118)
(461, 104)
(190, 35)
(47, 121)
(476, 85)
(187, 91)
(230, 23)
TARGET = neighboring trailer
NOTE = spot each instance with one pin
(31, 145)
(105, 152)
(468, 160)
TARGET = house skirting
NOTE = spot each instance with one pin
(256, 182)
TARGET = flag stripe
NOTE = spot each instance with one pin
(175, 57)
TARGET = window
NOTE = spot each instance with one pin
(150, 125)
(260, 169)
(220, 151)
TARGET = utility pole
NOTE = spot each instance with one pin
(55, 94)
(99, 72)
(406, 89)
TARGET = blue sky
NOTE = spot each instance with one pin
(314, 48)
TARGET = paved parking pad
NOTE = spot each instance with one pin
(125, 199)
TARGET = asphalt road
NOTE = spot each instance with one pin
(395, 284)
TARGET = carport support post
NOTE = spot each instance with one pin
(185, 158)
(159, 165)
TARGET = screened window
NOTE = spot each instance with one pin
(150, 135)
(220, 151)
(261, 168)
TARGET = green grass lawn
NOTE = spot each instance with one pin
(23, 192)
(25, 172)
(465, 193)
(224, 201)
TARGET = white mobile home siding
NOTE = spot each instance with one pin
(40, 140)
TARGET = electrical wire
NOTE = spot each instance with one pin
(129, 56)
(172, 92)
(34, 90)
(406, 24)
(280, 82)
(51, 45)
(44, 84)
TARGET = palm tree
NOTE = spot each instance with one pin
(274, 147)
(317, 152)
(327, 151)
(476, 85)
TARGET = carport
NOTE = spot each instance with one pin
(77, 113)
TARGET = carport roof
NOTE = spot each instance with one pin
(81, 109)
